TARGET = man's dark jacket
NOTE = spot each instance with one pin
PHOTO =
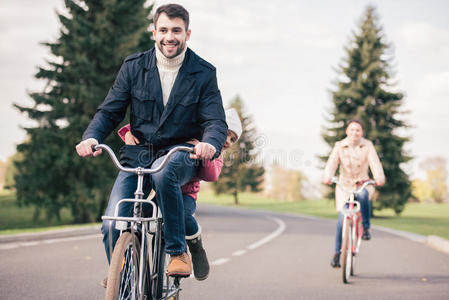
(194, 108)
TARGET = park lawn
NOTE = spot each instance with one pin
(15, 219)
(425, 219)
(421, 218)
(320, 208)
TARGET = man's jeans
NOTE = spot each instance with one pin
(180, 169)
(167, 183)
(365, 208)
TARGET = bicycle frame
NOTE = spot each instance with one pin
(352, 220)
(351, 212)
(148, 225)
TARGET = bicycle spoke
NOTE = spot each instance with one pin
(128, 277)
(124, 277)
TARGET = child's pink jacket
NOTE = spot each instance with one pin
(209, 171)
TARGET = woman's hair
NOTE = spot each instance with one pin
(354, 121)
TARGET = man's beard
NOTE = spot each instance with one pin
(179, 50)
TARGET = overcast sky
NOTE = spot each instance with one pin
(279, 56)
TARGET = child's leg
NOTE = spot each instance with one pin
(194, 240)
(193, 230)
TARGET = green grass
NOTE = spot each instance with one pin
(15, 219)
(320, 208)
(425, 219)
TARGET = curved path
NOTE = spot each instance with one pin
(254, 255)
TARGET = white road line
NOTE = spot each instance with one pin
(74, 238)
(8, 246)
(14, 245)
(269, 237)
(220, 261)
(27, 244)
(216, 262)
(257, 244)
(239, 252)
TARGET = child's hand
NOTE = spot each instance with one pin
(130, 139)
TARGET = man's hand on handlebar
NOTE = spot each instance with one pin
(85, 148)
(203, 151)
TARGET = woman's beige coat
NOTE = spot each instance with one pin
(354, 162)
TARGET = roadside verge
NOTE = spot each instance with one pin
(432, 241)
(50, 234)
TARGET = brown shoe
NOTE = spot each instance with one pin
(180, 265)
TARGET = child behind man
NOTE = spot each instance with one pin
(209, 171)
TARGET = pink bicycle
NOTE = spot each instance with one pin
(351, 230)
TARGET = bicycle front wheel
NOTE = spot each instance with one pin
(356, 229)
(124, 269)
(346, 251)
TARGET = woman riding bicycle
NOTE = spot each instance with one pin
(354, 154)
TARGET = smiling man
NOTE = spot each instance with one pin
(174, 98)
(171, 34)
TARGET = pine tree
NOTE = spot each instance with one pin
(240, 170)
(364, 91)
(95, 37)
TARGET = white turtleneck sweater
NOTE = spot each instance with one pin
(168, 70)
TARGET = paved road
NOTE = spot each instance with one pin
(254, 255)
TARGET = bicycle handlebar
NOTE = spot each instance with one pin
(140, 170)
(364, 185)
